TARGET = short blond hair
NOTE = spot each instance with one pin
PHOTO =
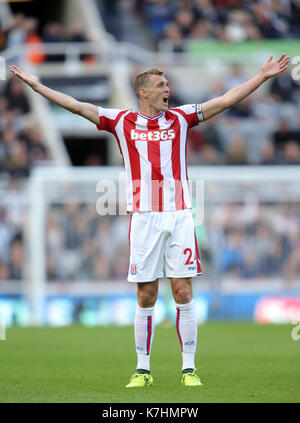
(142, 79)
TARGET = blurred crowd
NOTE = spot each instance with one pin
(173, 22)
(12, 258)
(264, 129)
(84, 246)
(237, 241)
(256, 242)
(21, 143)
(26, 31)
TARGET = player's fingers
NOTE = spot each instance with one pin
(14, 69)
(281, 58)
(284, 62)
(270, 59)
(283, 69)
(18, 70)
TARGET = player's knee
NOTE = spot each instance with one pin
(146, 298)
(182, 295)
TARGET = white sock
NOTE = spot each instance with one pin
(143, 334)
(186, 326)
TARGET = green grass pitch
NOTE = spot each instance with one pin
(238, 362)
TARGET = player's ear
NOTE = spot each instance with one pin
(143, 92)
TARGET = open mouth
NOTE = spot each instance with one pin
(166, 100)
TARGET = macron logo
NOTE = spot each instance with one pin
(163, 135)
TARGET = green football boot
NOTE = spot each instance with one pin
(191, 379)
(140, 380)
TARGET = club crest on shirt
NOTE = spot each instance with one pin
(133, 269)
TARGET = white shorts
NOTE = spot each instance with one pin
(162, 244)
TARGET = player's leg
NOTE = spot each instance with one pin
(182, 264)
(144, 323)
(186, 322)
(186, 326)
(145, 268)
(143, 332)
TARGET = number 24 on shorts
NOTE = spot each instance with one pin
(188, 253)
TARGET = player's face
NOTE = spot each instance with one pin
(158, 93)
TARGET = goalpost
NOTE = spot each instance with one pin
(51, 187)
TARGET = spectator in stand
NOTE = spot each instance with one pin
(236, 77)
(3, 41)
(110, 10)
(120, 265)
(211, 156)
(230, 258)
(36, 148)
(228, 21)
(93, 159)
(4, 272)
(53, 32)
(209, 144)
(16, 259)
(17, 33)
(21, 144)
(291, 153)
(211, 134)
(272, 264)
(184, 19)
(173, 39)
(16, 99)
(250, 267)
(17, 163)
(295, 18)
(292, 266)
(201, 30)
(237, 153)
(267, 22)
(204, 10)
(284, 133)
(268, 154)
(7, 233)
(35, 50)
(235, 27)
(265, 108)
(284, 88)
(158, 13)
(102, 268)
(76, 34)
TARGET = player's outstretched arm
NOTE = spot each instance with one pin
(87, 110)
(235, 95)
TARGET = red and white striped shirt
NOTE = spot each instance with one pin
(154, 155)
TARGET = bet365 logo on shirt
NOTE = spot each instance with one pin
(162, 135)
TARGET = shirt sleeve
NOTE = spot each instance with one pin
(108, 118)
(192, 113)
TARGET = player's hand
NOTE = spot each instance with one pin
(274, 68)
(31, 80)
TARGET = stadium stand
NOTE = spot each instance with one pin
(263, 130)
(226, 21)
